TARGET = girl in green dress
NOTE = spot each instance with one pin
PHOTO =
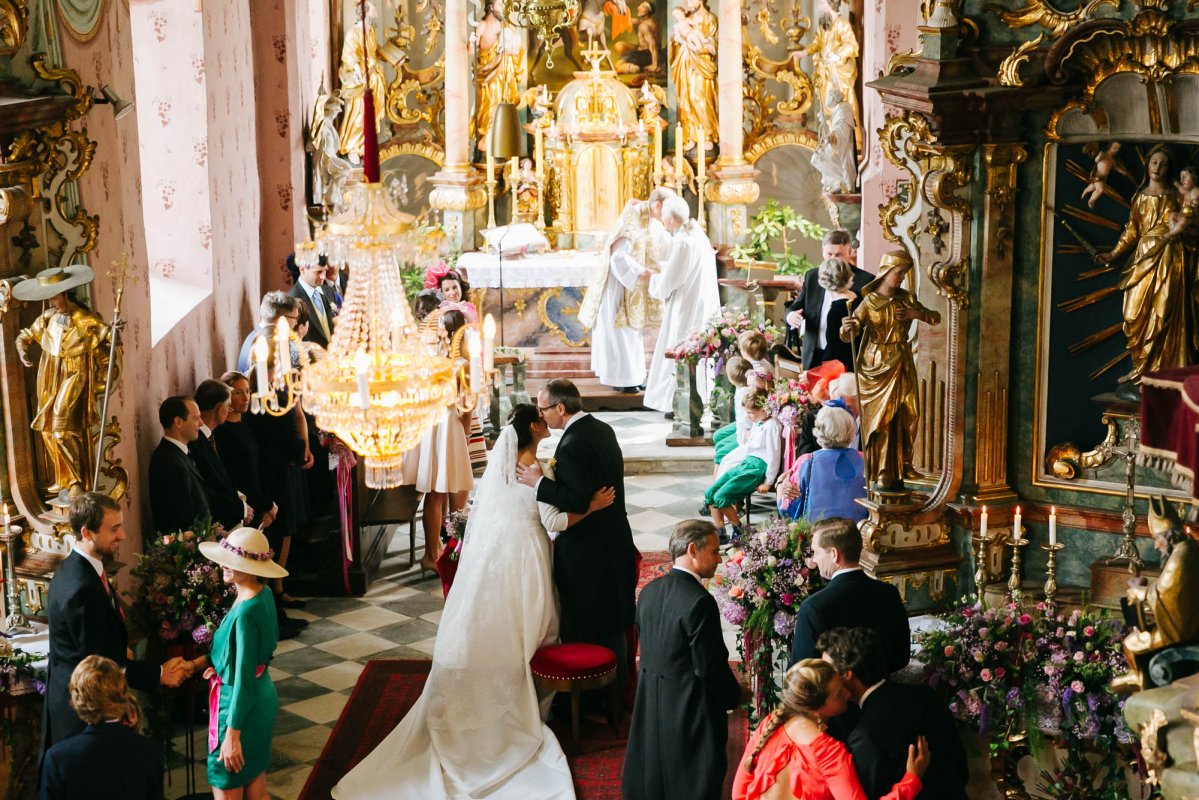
(242, 699)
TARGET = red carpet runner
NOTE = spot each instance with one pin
(387, 689)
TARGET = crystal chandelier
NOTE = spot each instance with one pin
(543, 16)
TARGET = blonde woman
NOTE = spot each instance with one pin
(791, 757)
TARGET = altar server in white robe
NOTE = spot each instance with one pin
(687, 286)
(617, 306)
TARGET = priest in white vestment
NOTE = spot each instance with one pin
(687, 286)
(617, 306)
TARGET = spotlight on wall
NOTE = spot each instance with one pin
(120, 106)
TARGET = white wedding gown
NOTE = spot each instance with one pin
(478, 730)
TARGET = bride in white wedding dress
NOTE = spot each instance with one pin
(478, 730)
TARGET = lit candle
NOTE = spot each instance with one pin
(1052, 526)
(699, 152)
(262, 351)
(474, 359)
(362, 364)
(678, 154)
(982, 524)
(1016, 525)
(488, 344)
(282, 351)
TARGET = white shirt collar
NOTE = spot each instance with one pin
(868, 692)
(681, 568)
(207, 431)
(308, 290)
(573, 418)
(844, 570)
(176, 442)
(96, 563)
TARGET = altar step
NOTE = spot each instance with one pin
(574, 363)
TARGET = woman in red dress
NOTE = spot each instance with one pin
(790, 757)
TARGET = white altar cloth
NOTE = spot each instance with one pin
(545, 270)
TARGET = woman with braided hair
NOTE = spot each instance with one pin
(791, 757)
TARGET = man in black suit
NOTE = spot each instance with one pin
(177, 494)
(82, 767)
(227, 505)
(85, 618)
(317, 297)
(273, 306)
(807, 310)
(595, 561)
(851, 599)
(893, 715)
(685, 687)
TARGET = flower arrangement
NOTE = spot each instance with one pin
(16, 667)
(454, 531)
(759, 588)
(789, 401)
(183, 598)
(1012, 671)
(718, 338)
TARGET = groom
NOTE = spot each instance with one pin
(595, 561)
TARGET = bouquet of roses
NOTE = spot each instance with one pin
(454, 531)
(789, 401)
(183, 598)
(718, 338)
(759, 588)
(984, 662)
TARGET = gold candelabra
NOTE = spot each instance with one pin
(1051, 575)
(980, 562)
(1015, 593)
(277, 394)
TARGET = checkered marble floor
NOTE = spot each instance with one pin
(315, 673)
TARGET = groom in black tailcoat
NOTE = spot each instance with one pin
(595, 561)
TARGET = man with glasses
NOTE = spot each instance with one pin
(274, 305)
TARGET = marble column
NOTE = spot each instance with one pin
(731, 186)
(458, 188)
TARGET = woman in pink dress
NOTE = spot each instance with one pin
(790, 757)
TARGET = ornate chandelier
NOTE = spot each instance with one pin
(543, 16)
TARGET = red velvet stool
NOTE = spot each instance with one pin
(577, 668)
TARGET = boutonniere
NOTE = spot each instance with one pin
(552, 463)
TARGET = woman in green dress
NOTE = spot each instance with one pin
(241, 700)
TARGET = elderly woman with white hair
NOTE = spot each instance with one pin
(828, 482)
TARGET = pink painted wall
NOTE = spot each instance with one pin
(887, 29)
(205, 342)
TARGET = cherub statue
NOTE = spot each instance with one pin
(528, 193)
(1188, 188)
(1104, 161)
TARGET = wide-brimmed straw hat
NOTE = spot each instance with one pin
(245, 550)
(50, 282)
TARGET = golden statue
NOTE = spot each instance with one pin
(70, 375)
(360, 67)
(886, 370)
(1170, 600)
(834, 50)
(693, 71)
(528, 193)
(1159, 305)
(500, 73)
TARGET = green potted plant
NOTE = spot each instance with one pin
(775, 222)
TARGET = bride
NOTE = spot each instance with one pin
(478, 728)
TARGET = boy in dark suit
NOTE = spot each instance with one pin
(851, 599)
(893, 715)
(177, 494)
(685, 687)
(85, 619)
(108, 760)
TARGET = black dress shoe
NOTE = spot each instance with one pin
(704, 510)
(628, 390)
(669, 415)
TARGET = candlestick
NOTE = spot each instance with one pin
(538, 152)
(1015, 593)
(1016, 532)
(1051, 575)
(699, 154)
(1052, 525)
(15, 622)
(490, 184)
(980, 560)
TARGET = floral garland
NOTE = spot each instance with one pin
(1013, 671)
(183, 598)
(759, 588)
(718, 338)
(238, 551)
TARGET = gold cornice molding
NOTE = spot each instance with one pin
(1040, 12)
